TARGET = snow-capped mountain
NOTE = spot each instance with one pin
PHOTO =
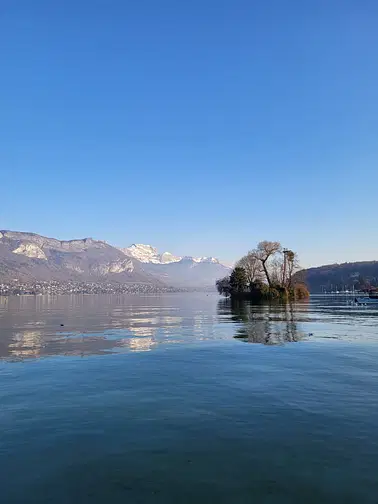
(178, 271)
(150, 254)
(212, 260)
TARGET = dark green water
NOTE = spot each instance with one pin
(154, 400)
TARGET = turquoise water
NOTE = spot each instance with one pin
(166, 400)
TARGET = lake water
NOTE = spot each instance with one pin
(167, 399)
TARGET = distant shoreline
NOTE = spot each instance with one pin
(56, 287)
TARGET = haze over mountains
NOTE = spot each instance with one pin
(29, 256)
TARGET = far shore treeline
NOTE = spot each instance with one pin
(266, 272)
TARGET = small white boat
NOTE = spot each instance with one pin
(372, 299)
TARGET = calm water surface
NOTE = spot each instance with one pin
(166, 400)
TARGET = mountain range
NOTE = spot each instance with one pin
(149, 254)
(29, 256)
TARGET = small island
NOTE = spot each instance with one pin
(268, 272)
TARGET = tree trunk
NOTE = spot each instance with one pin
(266, 274)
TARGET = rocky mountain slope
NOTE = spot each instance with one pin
(27, 256)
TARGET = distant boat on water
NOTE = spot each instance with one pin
(368, 300)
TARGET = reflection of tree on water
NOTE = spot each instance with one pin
(268, 324)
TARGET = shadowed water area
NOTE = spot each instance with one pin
(187, 398)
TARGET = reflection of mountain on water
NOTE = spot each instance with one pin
(43, 326)
(140, 344)
(268, 324)
(26, 344)
(35, 344)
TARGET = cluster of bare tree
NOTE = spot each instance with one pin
(267, 271)
(270, 262)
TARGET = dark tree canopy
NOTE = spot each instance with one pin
(238, 280)
(223, 286)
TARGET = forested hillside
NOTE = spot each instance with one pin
(360, 275)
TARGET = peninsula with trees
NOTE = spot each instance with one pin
(265, 273)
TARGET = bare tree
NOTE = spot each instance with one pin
(292, 266)
(276, 270)
(252, 267)
(264, 251)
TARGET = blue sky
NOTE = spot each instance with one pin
(200, 127)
